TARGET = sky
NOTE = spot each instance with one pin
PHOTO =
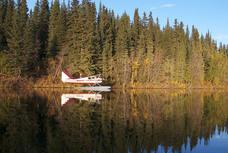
(206, 15)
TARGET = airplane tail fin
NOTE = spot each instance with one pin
(65, 76)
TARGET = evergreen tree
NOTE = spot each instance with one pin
(157, 37)
(23, 13)
(197, 64)
(97, 56)
(3, 6)
(54, 35)
(43, 29)
(149, 60)
(135, 36)
(15, 46)
(36, 15)
(16, 39)
(142, 50)
(9, 15)
(180, 52)
(88, 26)
(122, 50)
(167, 41)
(106, 35)
(73, 37)
(31, 50)
(63, 22)
(7, 23)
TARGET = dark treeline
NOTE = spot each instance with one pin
(81, 37)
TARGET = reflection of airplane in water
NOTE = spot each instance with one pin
(91, 97)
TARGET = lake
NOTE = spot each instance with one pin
(136, 121)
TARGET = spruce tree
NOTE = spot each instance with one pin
(15, 46)
(88, 26)
(122, 50)
(157, 38)
(181, 54)
(23, 13)
(7, 24)
(197, 64)
(16, 39)
(167, 41)
(63, 23)
(54, 35)
(73, 37)
(150, 49)
(142, 50)
(31, 56)
(106, 34)
(9, 15)
(135, 34)
(36, 19)
(43, 29)
(3, 7)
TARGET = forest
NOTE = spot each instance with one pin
(79, 36)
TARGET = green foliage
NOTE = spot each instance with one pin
(43, 29)
(3, 7)
(56, 29)
(122, 74)
(106, 29)
(3, 63)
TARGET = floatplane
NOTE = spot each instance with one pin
(93, 82)
(93, 86)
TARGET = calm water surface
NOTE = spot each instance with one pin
(140, 121)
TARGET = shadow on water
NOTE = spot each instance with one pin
(117, 122)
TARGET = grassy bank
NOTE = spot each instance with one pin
(19, 82)
(46, 82)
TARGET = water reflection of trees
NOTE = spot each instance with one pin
(122, 122)
(22, 122)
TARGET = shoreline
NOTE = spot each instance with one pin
(162, 87)
(19, 83)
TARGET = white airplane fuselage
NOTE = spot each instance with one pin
(83, 80)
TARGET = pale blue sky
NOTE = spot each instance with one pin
(206, 15)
